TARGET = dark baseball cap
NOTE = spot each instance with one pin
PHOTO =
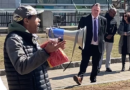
(23, 12)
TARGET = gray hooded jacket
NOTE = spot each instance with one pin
(25, 62)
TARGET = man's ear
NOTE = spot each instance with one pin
(25, 21)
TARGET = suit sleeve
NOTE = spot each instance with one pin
(81, 23)
(105, 27)
(121, 28)
(128, 33)
(115, 29)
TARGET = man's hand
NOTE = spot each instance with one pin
(53, 46)
(109, 36)
(60, 40)
(125, 34)
(63, 45)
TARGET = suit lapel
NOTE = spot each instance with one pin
(91, 22)
(99, 23)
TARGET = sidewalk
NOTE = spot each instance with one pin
(60, 79)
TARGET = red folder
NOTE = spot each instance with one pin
(57, 57)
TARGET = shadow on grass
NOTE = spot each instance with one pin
(68, 87)
(102, 73)
(2, 74)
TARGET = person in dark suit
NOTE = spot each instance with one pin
(94, 45)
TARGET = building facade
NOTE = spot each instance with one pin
(66, 1)
(66, 12)
(9, 3)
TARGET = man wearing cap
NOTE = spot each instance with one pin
(25, 62)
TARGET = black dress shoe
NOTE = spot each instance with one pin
(123, 69)
(108, 70)
(93, 81)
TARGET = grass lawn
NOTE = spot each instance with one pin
(121, 85)
(2, 38)
(68, 50)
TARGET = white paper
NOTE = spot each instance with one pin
(2, 86)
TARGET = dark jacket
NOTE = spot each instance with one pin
(81, 22)
(111, 28)
(87, 21)
(25, 62)
(121, 32)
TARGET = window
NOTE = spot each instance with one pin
(28, 1)
(63, 1)
(79, 1)
(101, 1)
(39, 1)
(49, 1)
(89, 1)
(66, 1)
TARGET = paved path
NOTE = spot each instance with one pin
(60, 79)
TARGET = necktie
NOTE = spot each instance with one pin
(95, 30)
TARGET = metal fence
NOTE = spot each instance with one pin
(5, 18)
(60, 19)
(67, 19)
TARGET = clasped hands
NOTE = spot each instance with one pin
(109, 36)
(125, 34)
